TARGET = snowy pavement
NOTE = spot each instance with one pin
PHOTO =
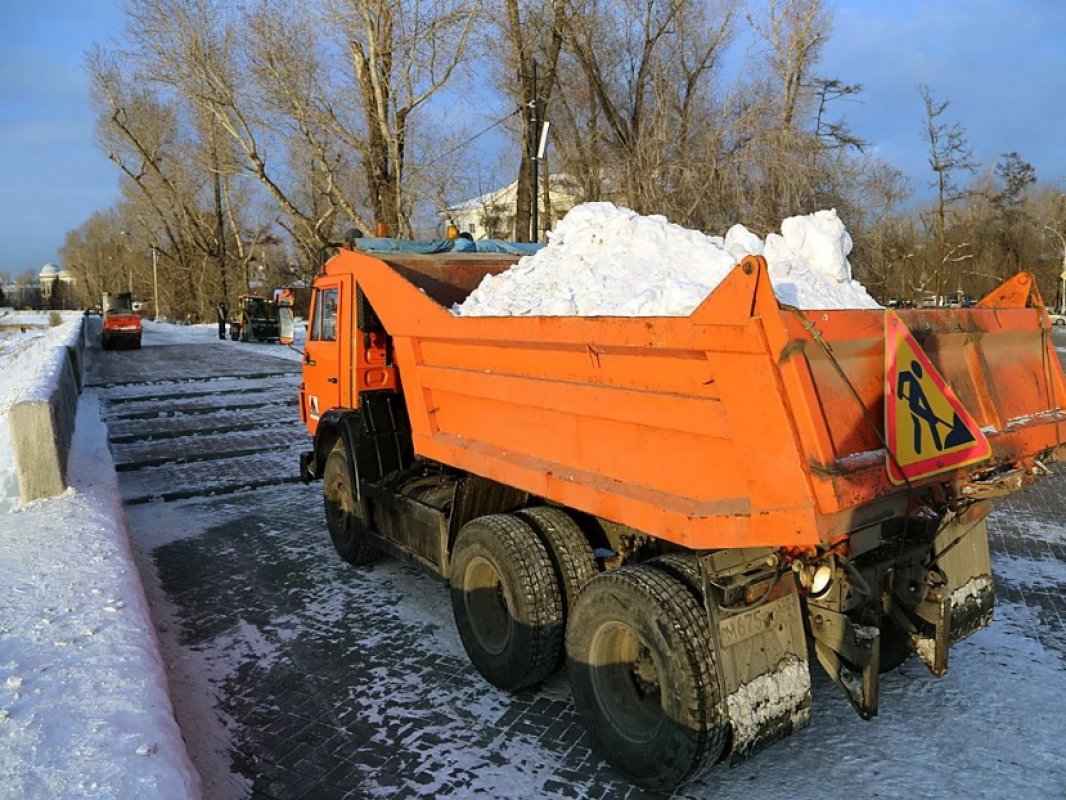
(297, 675)
(293, 674)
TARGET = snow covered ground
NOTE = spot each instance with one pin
(207, 333)
(84, 708)
(84, 704)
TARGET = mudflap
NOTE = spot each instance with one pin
(961, 553)
(761, 662)
(850, 654)
(954, 598)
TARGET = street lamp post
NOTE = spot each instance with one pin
(125, 248)
(155, 285)
(1062, 275)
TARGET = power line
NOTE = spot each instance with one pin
(463, 144)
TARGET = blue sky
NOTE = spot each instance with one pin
(1001, 63)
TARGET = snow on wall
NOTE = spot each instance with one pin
(32, 362)
(602, 260)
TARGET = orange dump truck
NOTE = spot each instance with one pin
(682, 510)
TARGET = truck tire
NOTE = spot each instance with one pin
(572, 556)
(683, 567)
(507, 601)
(344, 516)
(895, 649)
(642, 675)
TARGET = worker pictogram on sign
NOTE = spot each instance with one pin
(926, 426)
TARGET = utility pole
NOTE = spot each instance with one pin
(155, 285)
(127, 235)
(534, 135)
(1062, 276)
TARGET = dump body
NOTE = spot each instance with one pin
(743, 424)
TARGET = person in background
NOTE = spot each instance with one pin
(223, 309)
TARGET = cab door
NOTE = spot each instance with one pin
(326, 359)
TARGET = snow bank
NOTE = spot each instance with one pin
(602, 260)
(33, 360)
(84, 707)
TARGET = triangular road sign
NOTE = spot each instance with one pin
(926, 426)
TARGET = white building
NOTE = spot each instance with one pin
(48, 277)
(492, 215)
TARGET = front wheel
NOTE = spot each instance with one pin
(642, 674)
(344, 512)
(507, 601)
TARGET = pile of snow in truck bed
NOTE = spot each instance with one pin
(602, 260)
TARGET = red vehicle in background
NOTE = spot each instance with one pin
(122, 325)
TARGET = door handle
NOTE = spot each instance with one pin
(331, 380)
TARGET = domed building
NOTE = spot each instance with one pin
(58, 281)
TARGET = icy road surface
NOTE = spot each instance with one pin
(296, 675)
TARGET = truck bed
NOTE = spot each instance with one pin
(743, 424)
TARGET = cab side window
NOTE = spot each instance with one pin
(324, 326)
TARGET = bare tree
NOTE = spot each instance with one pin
(403, 54)
(535, 35)
(949, 154)
(194, 48)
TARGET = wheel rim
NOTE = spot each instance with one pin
(486, 605)
(626, 682)
(338, 503)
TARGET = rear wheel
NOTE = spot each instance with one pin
(344, 512)
(641, 670)
(895, 649)
(507, 601)
(571, 553)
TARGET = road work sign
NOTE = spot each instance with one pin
(926, 426)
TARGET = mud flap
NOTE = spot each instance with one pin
(958, 596)
(961, 554)
(762, 666)
(850, 655)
